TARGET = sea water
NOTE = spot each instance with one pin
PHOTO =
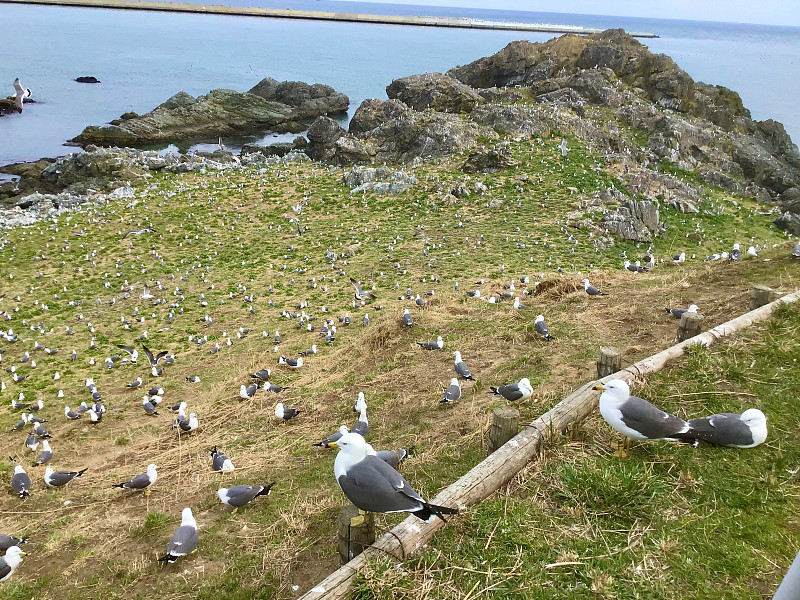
(142, 58)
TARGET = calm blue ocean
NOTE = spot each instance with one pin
(142, 58)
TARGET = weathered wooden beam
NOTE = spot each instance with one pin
(609, 360)
(499, 467)
(354, 539)
(761, 295)
(690, 326)
(505, 425)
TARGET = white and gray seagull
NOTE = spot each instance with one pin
(20, 95)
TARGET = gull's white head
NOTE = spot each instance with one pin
(538, 319)
(692, 308)
(187, 518)
(757, 422)
(616, 391)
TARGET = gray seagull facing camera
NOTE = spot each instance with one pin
(240, 495)
(184, 540)
(374, 486)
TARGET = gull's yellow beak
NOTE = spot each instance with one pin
(21, 553)
(333, 445)
(599, 386)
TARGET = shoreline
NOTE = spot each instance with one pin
(242, 11)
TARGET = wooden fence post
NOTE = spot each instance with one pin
(609, 361)
(761, 295)
(353, 540)
(505, 425)
(691, 325)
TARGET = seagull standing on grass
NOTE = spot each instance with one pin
(10, 562)
(591, 290)
(541, 328)
(462, 369)
(563, 147)
(184, 540)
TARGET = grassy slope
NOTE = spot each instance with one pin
(229, 230)
(669, 521)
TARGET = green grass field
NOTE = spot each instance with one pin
(640, 527)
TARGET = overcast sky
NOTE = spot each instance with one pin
(769, 12)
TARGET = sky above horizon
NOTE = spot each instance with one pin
(766, 12)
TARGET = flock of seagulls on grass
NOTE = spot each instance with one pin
(368, 478)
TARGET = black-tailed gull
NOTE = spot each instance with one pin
(522, 390)
(20, 482)
(60, 478)
(220, 462)
(6, 541)
(591, 290)
(284, 412)
(746, 430)
(239, 495)
(184, 540)
(452, 392)
(140, 482)
(20, 95)
(678, 312)
(10, 562)
(437, 345)
(374, 486)
(541, 328)
(637, 418)
(461, 367)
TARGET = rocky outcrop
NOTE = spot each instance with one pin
(182, 119)
(436, 91)
(489, 160)
(322, 136)
(515, 120)
(87, 79)
(104, 169)
(635, 221)
(390, 131)
(379, 181)
(307, 101)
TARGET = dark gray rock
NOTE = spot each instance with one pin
(515, 120)
(436, 91)
(635, 221)
(788, 222)
(322, 136)
(489, 160)
(307, 101)
(184, 118)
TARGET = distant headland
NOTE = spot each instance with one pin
(447, 22)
